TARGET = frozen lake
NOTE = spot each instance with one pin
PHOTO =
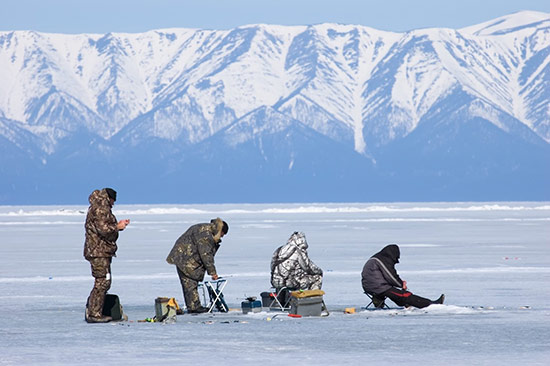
(492, 261)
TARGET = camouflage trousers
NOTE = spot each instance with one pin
(190, 292)
(101, 270)
(311, 282)
(305, 282)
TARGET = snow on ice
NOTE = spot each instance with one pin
(490, 259)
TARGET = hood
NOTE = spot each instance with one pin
(216, 227)
(298, 239)
(391, 252)
(99, 197)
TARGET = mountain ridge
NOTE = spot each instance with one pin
(166, 92)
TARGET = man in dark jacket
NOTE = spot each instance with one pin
(100, 246)
(193, 254)
(380, 280)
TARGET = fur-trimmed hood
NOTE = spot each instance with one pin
(216, 227)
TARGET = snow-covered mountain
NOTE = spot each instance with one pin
(339, 112)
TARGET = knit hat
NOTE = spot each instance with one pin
(111, 193)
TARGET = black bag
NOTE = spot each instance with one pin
(112, 307)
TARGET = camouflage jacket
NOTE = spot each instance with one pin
(291, 262)
(101, 227)
(193, 253)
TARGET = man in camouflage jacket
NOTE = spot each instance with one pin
(292, 268)
(193, 254)
(100, 246)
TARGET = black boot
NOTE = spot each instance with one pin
(198, 310)
(378, 302)
(440, 300)
(99, 319)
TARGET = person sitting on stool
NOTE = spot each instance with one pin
(380, 279)
(292, 268)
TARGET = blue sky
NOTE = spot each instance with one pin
(103, 16)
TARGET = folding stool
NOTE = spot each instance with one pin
(373, 299)
(281, 298)
(215, 293)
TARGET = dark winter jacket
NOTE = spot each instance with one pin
(101, 227)
(290, 263)
(193, 253)
(379, 274)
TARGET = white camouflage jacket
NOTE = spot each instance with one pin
(290, 263)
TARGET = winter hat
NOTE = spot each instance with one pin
(111, 193)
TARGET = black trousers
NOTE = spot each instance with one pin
(406, 298)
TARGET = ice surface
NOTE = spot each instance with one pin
(490, 259)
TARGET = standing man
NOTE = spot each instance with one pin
(100, 247)
(193, 254)
(380, 279)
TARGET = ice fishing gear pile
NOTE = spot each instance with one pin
(166, 309)
(251, 305)
(297, 303)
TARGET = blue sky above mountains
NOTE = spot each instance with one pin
(103, 16)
